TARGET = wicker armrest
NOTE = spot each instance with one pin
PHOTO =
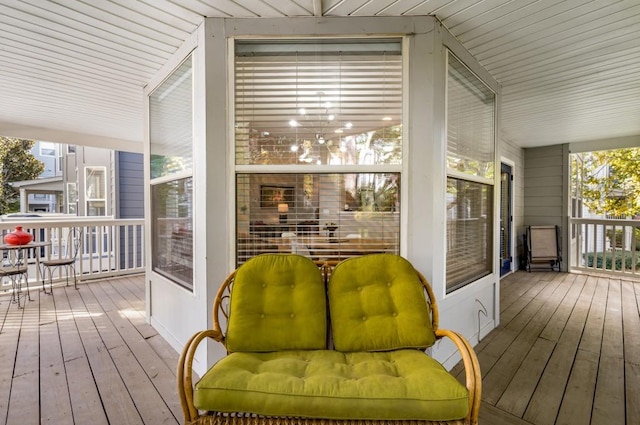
(185, 374)
(473, 378)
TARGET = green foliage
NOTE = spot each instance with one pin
(609, 260)
(16, 164)
(612, 182)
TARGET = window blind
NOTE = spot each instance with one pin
(321, 216)
(470, 151)
(171, 123)
(172, 236)
(325, 102)
(470, 122)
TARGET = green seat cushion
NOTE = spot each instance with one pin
(378, 303)
(278, 303)
(395, 385)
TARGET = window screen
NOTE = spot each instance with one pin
(470, 168)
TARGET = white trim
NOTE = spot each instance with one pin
(512, 164)
(183, 52)
(325, 168)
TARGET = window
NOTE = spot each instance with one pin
(72, 198)
(173, 230)
(306, 104)
(321, 102)
(171, 123)
(47, 149)
(96, 191)
(170, 120)
(326, 216)
(470, 176)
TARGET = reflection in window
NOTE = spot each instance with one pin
(172, 236)
(320, 102)
(322, 216)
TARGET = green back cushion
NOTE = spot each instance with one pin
(377, 303)
(277, 303)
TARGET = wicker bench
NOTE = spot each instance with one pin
(346, 346)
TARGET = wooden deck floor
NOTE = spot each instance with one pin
(567, 352)
(85, 356)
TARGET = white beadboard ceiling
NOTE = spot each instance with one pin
(73, 70)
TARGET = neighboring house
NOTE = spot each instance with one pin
(44, 194)
(84, 181)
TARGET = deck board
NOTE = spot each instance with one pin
(566, 352)
(567, 349)
(91, 353)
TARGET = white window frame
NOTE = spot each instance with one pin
(90, 199)
(48, 149)
(400, 169)
(461, 176)
(72, 187)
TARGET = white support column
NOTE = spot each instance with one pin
(24, 200)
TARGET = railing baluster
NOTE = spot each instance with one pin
(613, 243)
(102, 237)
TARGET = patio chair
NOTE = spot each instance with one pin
(543, 247)
(66, 259)
(14, 268)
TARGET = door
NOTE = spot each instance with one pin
(506, 219)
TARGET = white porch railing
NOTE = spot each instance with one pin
(609, 246)
(109, 247)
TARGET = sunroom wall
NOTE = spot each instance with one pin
(423, 211)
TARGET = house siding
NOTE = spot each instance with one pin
(546, 188)
(130, 185)
(130, 195)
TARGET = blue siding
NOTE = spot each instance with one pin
(130, 185)
(130, 181)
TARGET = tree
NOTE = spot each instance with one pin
(612, 182)
(16, 164)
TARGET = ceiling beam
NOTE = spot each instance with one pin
(317, 7)
(69, 137)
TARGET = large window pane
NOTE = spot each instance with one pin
(322, 216)
(172, 236)
(318, 102)
(470, 169)
(171, 124)
(470, 122)
(469, 232)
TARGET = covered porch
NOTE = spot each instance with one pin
(566, 352)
